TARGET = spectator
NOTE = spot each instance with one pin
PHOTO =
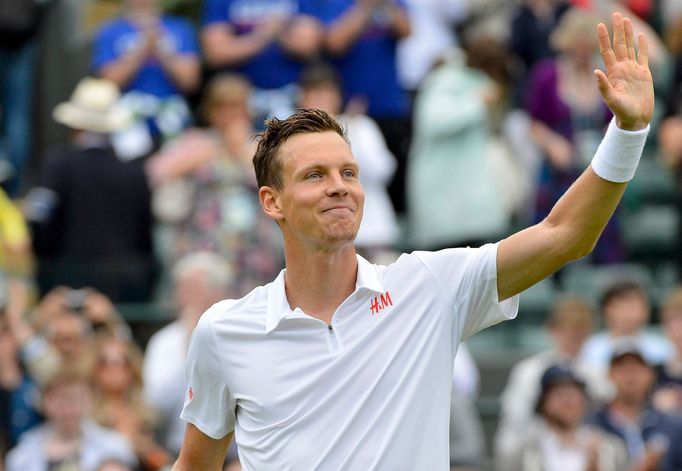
(432, 35)
(668, 394)
(626, 310)
(69, 437)
(653, 439)
(567, 117)
(467, 441)
(362, 37)
(18, 392)
(61, 329)
(449, 172)
(153, 59)
(15, 241)
(91, 212)
(321, 88)
(201, 279)
(118, 401)
(19, 26)
(560, 440)
(532, 25)
(220, 211)
(670, 128)
(569, 325)
(267, 41)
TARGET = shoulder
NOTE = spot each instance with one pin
(177, 22)
(115, 26)
(232, 314)
(109, 441)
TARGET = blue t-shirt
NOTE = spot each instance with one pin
(119, 36)
(272, 67)
(368, 68)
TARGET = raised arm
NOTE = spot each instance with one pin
(577, 220)
(200, 452)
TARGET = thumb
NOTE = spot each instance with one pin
(603, 84)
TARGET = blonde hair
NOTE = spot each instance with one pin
(672, 305)
(221, 89)
(571, 311)
(576, 24)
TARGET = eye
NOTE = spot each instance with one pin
(349, 173)
(313, 175)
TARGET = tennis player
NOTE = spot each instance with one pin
(339, 364)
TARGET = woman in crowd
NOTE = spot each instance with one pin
(206, 188)
(568, 116)
(117, 399)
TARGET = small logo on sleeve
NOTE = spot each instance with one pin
(190, 394)
(379, 303)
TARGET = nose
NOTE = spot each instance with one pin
(337, 185)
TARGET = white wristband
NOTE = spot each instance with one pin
(618, 154)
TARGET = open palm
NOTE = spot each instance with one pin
(627, 86)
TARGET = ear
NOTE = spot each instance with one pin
(270, 202)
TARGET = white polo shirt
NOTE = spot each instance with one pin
(371, 391)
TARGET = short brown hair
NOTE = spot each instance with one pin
(571, 311)
(266, 162)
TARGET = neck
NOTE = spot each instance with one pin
(319, 281)
(565, 432)
(627, 408)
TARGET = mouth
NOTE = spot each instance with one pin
(338, 209)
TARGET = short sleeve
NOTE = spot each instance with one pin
(209, 404)
(188, 44)
(215, 11)
(468, 278)
(103, 50)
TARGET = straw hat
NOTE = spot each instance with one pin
(93, 106)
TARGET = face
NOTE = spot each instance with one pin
(321, 200)
(68, 336)
(627, 314)
(322, 97)
(222, 115)
(672, 325)
(564, 405)
(66, 405)
(114, 373)
(569, 339)
(195, 292)
(632, 379)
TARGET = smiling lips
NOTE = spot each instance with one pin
(338, 208)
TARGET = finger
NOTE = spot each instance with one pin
(619, 46)
(643, 54)
(629, 39)
(607, 54)
(603, 84)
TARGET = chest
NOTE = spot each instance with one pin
(376, 344)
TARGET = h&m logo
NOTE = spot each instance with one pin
(379, 303)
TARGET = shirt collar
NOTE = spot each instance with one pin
(278, 306)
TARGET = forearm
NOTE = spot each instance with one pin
(346, 31)
(577, 220)
(400, 22)
(222, 48)
(124, 69)
(183, 71)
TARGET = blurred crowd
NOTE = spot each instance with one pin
(469, 119)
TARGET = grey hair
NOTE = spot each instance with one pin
(215, 268)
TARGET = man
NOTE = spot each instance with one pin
(653, 439)
(91, 213)
(339, 364)
(569, 324)
(200, 280)
(626, 310)
(560, 440)
(69, 439)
